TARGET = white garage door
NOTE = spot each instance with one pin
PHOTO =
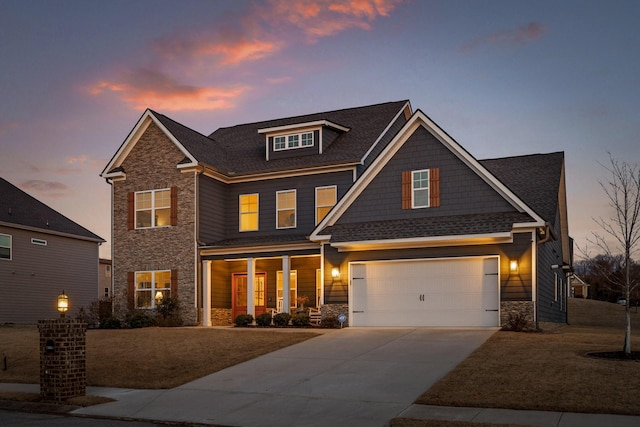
(441, 292)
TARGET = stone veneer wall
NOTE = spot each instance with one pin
(332, 310)
(514, 308)
(63, 371)
(221, 317)
(151, 165)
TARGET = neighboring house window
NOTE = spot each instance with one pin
(248, 212)
(286, 209)
(153, 208)
(421, 189)
(108, 271)
(326, 198)
(297, 140)
(5, 246)
(39, 242)
(293, 289)
(151, 287)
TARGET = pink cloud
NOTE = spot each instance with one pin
(6, 127)
(143, 88)
(324, 18)
(512, 38)
(56, 190)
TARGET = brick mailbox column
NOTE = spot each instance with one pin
(63, 363)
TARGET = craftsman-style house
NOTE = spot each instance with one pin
(372, 212)
(42, 253)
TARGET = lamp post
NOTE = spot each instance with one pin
(63, 304)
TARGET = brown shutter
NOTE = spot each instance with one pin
(131, 210)
(131, 292)
(406, 190)
(434, 187)
(174, 206)
(174, 285)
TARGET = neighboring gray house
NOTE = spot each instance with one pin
(104, 278)
(42, 253)
(373, 212)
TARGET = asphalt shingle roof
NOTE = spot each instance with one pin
(19, 208)
(458, 225)
(534, 178)
(240, 149)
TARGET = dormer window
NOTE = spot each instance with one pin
(296, 140)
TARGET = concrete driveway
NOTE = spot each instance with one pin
(353, 376)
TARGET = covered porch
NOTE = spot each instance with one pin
(259, 283)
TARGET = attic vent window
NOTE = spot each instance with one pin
(39, 242)
(296, 140)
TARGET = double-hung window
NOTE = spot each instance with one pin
(5, 246)
(326, 198)
(151, 287)
(286, 209)
(248, 212)
(153, 208)
(421, 188)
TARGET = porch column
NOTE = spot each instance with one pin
(286, 285)
(206, 293)
(251, 280)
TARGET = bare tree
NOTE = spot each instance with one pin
(622, 229)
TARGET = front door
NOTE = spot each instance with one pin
(239, 294)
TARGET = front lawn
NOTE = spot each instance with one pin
(148, 358)
(549, 370)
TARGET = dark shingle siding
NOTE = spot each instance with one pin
(19, 208)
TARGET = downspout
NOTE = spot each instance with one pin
(113, 276)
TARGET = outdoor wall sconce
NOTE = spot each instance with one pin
(513, 266)
(63, 303)
(159, 297)
(335, 273)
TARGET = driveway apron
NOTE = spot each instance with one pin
(353, 376)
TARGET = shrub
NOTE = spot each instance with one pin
(330, 322)
(110, 323)
(281, 319)
(516, 322)
(264, 319)
(168, 313)
(140, 319)
(301, 320)
(99, 310)
(244, 319)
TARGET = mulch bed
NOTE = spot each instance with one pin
(616, 355)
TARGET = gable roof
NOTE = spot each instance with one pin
(531, 217)
(19, 209)
(240, 150)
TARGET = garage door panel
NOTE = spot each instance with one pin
(448, 292)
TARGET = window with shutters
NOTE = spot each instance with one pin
(153, 208)
(147, 289)
(421, 189)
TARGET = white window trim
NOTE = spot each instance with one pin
(413, 190)
(295, 208)
(335, 187)
(153, 208)
(10, 247)
(293, 279)
(299, 145)
(240, 213)
(153, 289)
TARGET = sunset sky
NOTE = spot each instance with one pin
(503, 78)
